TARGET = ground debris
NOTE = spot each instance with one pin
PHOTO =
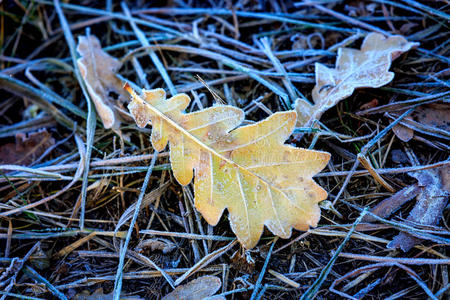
(258, 56)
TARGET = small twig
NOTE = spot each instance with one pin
(187, 235)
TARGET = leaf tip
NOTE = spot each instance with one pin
(128, 88)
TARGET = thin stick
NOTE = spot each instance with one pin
(401, 260)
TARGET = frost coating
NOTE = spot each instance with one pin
(98, 70)
(368, 67)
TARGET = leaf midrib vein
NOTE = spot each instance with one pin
(204, 146)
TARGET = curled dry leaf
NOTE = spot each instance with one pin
(430, 203)
(431, 119)
(247, 170)
(368, 67)
(200, 288)
(164, 245)
(403, 133)
(98, 70)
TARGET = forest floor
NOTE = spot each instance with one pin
(74, 165)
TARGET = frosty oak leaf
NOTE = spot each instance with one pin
(247, 170)
(368, 67)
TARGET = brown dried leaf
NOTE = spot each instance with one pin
(96, 295)
(200, 288)
(368, 67)
(403, 133)
(434, 114)
(389, 205)
(243, 261)
(98, 70)
(431, 119)
(430, 204)
(248, 170)
(164, 245)
(26, 149)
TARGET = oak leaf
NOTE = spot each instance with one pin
(98, 70)
(201, 288)
(247, 170)
(368, 67)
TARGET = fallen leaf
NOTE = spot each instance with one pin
(200, 288)
(434, 114)
(403, 133)
(26, 149)
(368, 67)
(98, 70)
(368, 105)
(96, 295)
(248, 170)
(389, 205)
(165, 246)
(430, 203)
(431, 119)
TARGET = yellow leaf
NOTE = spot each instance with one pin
(368, 67)
(248, 170)
(98, 70)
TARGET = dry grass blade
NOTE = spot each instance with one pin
(205, 261)
(77, 176)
